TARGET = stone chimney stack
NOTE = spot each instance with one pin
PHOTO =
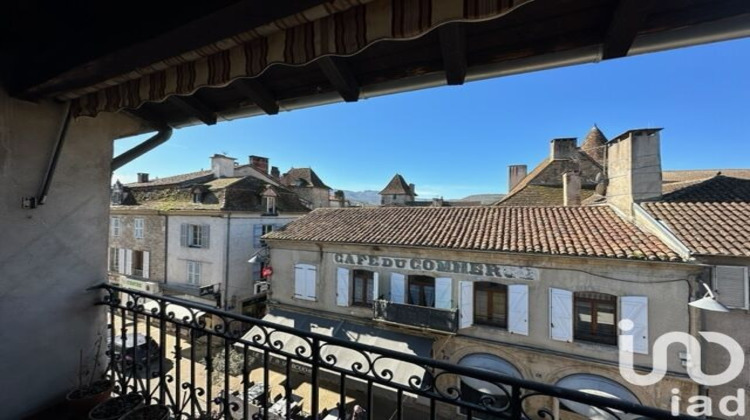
(413, 190)
(142, 177)
(222, 166)
(259, 163)
(571, 189)
(275, 172)
(634, 168)
(515, 174)
(562, 148)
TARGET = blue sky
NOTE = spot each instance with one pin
(457, 141)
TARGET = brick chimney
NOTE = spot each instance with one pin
(562, 148)
(222, 166)
(571, 189)
(275, 172)
(259, 163)
(142, 177)
(634, 168)
(515, 174)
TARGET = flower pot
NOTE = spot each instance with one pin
(148, 412)
(82, 400)
(115, 408)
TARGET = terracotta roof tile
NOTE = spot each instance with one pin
(309, 177)
(397, 185)
(197, 177)
(707, 228)
(717, 189)
(694, 174)
(574, 231)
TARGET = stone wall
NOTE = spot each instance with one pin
(153, 240)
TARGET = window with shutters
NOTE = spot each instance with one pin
(114, 259)
(194, 272)
(595, 317)
(422, 291)
(731, 286)
(137, 269)
(194, 236)
(270, 205)
(304, 281)
(491, 304)
(116, 227)
(362, 287)
(138, 228)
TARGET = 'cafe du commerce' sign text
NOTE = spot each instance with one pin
(442, 266)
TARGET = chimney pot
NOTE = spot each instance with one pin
(259, 163)
(571, 189)
(275, 172)
(564, 148)
(222, 166)
(516, 173)
(142, 177)
(634, 168)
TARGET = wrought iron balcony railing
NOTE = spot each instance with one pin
(201, 362)
(416, 316)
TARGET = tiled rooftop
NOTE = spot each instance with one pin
(574, 231)
(397, 185)
(718, 189)
(309, 176)
(707, 228)
(695, 174)
(200, 176)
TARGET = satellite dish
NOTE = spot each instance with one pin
(708, 302)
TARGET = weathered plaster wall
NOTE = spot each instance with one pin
(51, 254)
(211, 258)
(153, 240)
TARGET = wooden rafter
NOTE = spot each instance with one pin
(194, 107)
(341, 77)
(453, 49)
(256, 92)
(626, 20)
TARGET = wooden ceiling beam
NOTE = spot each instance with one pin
(627, 18)
(341, 77)
(453, 50)
(256, 92)
(194, 107)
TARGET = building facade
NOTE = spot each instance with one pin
(192, 235)
(534, 293)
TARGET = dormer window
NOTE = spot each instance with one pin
(271, 205)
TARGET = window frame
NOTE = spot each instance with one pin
(195, 236)
(138, 228)
(491, 289)
(595, 335)
(137, 256)
(421, 282)
(271, 205)
(114, 259)
(368, 290)
(116, 226)
(194, 274)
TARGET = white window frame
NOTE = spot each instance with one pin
(114, 259)
(138, 228)
(271, 205)
(116, 226)
(194, 272)
(195, 236)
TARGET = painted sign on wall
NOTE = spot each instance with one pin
(441, 266)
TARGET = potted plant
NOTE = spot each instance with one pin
(89, 391)
(148, 412)
(117, 407)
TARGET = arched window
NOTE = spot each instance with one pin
(595, 317)
(474, 390)
(599, 386)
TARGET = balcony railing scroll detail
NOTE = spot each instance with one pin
(172, 377)
(445, 320)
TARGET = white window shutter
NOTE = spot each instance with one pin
(518, 309)
(560, 315)
(121, 260)
(310, 287)
(300, 281)
(731, 286)
(257, 233)
(205, 236)
(635, 308)
(465, 304)
(184, 234)
(342, 287)
(375, 286)
(398, 288)
(128, 261)
(443, 292)
(146, 262)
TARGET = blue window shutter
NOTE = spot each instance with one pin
(257, 233)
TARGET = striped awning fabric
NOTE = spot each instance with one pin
(338, 27)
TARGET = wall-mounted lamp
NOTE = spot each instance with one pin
(260, 256)
(708, 302)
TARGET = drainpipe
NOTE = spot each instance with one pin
(160, 137)
(226, 265)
